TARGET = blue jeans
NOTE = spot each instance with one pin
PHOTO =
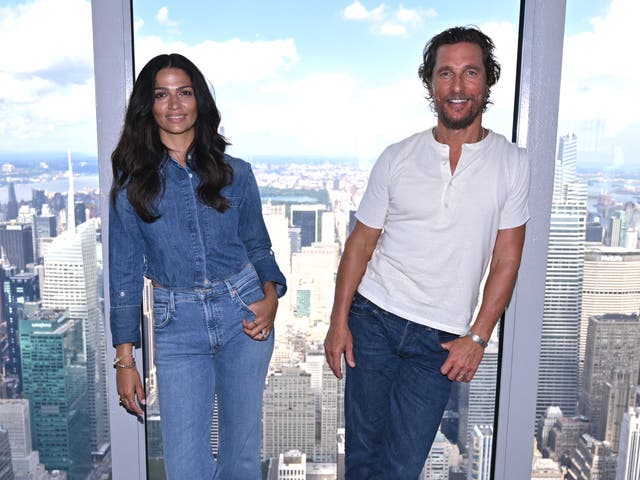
(200, 349)
(395, 396)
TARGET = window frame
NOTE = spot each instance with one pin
(537, 102)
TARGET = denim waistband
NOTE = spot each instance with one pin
(217, 287)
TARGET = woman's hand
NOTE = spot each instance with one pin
(128, 383)
(265, 314)
(130, 391)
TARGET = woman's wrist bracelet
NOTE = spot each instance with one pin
(117, 364)
(125, 365)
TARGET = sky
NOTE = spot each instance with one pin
(307, 78)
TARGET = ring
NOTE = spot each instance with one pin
(461, 377)
(255, 324)
(264, 334)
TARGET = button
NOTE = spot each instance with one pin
(122, 294)
(190, 175)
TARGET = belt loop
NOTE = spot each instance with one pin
(172, 304)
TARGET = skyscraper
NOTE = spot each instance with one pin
(17, 290)
(55, 382)
(628, 467)
(593, 459)
(611, 284)
(12, 203)
(17, 241)
(612, 356)
(6, 469)
(480, 453)
(307, 217)
(559, 348)
(14, 416)
(289, 414)
(331, 415)
(71, 283)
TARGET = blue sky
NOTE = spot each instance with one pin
(317, 78)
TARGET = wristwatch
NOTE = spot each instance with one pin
(476, 338)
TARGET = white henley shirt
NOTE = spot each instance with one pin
(439, 229)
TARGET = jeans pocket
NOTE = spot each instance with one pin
(244, 293)
(161, 315)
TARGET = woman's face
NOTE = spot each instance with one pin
(174, 106)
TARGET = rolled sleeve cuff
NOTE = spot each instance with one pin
(268, 271)
(125, 325)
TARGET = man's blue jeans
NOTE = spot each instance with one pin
(200, 349)
(395, 396)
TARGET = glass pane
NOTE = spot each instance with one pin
(53, 390)
(587, 423)
(310, 94)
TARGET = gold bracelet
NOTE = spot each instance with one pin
(126, 355)
(123, 365)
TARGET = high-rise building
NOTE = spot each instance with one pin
(592, 459)
(55, 383)
(545, 424)
(612, 356)
(616, 234)
(14, 416)
(628, 467)
(307, 218)
(611, 284)
(480, 453)
(16, 240)
(6, 469)
(564, 437)
(559, 348)
(71, 283)
(44, 226)
(312, 281)
(17, 290)
(331, 415)
(289, 414)
(38, 199)
(12, 203)
(618, 394)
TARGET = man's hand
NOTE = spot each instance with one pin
(337, 342)
(464, 358)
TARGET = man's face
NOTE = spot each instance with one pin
(459, 84)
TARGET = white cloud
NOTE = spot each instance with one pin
(600, 71)
(162, 17)
(226, 62)
(386, 21)
(47, 99)
(357, 11)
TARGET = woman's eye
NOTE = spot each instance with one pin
(159, 95)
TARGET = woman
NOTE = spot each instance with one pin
(187, 216)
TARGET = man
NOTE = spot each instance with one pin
(441, 206)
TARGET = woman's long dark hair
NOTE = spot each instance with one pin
(137, 159)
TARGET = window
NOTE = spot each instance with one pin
(53, 400)
(536, 128)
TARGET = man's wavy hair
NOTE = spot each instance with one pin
(451, 36)
(139, 155)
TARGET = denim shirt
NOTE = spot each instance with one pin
(190, 246)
